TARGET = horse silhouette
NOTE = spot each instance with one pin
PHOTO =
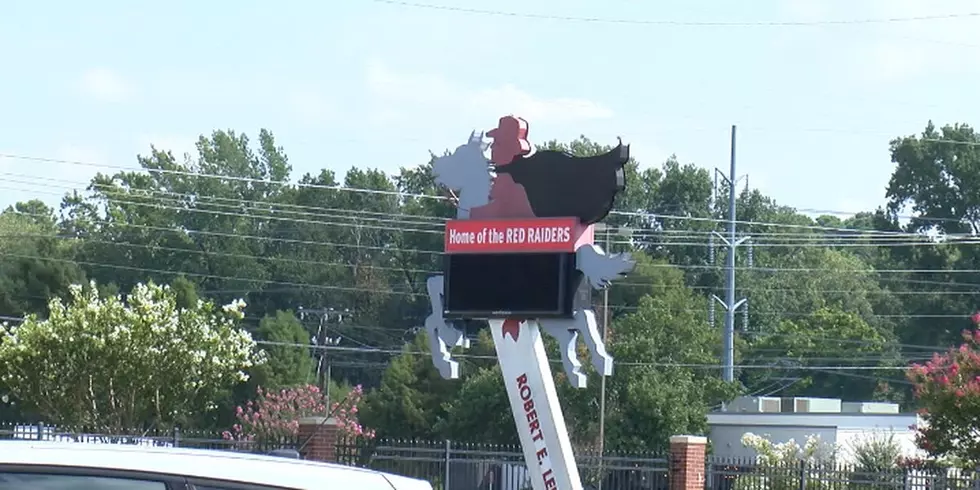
(468, 172)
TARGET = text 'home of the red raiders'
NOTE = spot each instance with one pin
(533, 235)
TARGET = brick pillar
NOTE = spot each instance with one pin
(319, 434)
(687, 462)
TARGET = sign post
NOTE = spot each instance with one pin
(520, 255)
(534, 402)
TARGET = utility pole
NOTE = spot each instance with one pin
(731, 242)
(602, 379)
(321, 341)
(625, 232)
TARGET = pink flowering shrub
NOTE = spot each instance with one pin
(948, 389)
(274, 416)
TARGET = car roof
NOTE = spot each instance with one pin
(210, 464)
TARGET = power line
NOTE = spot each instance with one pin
(435, 252)
(819, 339)
(380, 225)
(154, 247)
(187, 173)
(679, 23)
(211, 276)
(777, 365)
(388, 228)
(432, 271)
(818, 269)
(556, 361)
(852, 233)
(222, 254)
(381, 221)
(186, 231)
(236, 203)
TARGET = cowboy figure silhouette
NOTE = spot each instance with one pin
(508, 199)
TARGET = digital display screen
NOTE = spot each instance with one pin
(509, 284)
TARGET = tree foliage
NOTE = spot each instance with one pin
(273, 417)
(122, 364)
(232, 220)
(948, 390)
(286, 365)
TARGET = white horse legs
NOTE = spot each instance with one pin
(566, 332)
(586, 324)
(563, 331)
(443, 336)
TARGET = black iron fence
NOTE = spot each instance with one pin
(460, 466)
(150, 438)
(731, 474)
(447, 465)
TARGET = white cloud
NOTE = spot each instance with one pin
(105, 85)
(399, 97)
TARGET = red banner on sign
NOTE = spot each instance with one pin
(527, 235)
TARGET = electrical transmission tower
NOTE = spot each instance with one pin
(731, 241)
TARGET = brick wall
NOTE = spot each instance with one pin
(318, 439)
(687, 462)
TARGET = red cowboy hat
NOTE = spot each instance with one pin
(510, 126)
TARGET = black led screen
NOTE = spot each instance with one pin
(515, 284)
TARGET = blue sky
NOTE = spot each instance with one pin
(364, 83)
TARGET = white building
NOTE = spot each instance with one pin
(843, 424)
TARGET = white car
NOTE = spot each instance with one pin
(38, 465)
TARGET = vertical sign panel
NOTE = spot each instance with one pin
(534, 401)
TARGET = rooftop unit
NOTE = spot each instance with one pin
(769, 404)
(869, 407)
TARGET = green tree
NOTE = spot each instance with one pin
(286, 364)
(35, 264)
(409, 403)
(826, 338)
(118, 365)
(480, 412)
(185, 292)
(935, 176)
(176, 217)
(664, 383)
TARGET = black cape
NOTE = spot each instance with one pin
(560, 185)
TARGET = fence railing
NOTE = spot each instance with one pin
(151, 438)
(460, 466)
(741, 474)
(447, 465)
